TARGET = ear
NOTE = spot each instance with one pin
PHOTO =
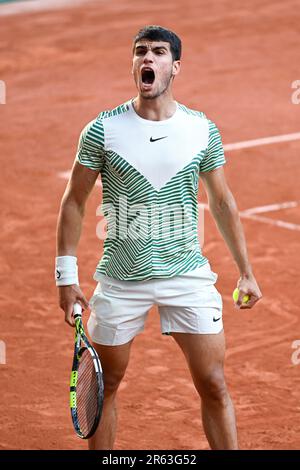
(176, 67)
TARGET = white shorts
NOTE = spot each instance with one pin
(188, 303)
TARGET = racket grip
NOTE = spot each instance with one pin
(77, 309)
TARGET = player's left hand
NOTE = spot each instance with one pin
(248, 286)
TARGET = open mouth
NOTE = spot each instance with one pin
(148, 76)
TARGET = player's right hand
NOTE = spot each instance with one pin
(68, 296)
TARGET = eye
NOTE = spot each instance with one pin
(140, 52)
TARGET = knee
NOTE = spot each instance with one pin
(112, 380)
(213, 389)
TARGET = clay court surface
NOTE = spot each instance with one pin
(61, 68)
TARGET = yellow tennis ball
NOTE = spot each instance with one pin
(235, 296)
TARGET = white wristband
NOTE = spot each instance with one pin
(66, 270)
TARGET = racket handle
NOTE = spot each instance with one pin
(77, 309)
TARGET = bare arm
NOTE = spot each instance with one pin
(69, 230)
(225, 213)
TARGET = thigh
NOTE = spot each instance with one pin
(204, 354)
(114, 361)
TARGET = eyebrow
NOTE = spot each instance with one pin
(152, 48)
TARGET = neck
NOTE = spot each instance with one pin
(157, 109)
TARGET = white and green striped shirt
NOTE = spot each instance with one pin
(150, 174)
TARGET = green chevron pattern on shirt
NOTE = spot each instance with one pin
(152, 225)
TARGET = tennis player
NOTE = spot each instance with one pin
(150, 152)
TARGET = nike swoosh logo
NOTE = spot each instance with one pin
(58, 274)
(159, 138)
(216, 319)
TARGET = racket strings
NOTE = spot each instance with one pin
(87, 393)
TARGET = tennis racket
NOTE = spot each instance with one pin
(86, 385)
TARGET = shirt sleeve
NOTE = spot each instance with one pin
(214, 156)
(91, 150)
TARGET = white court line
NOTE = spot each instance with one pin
(270, 208)
(264, 220)
(28, 6)
(263, 141)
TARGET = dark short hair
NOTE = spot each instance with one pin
(158, 33)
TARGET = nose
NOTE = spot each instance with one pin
(148, 57)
